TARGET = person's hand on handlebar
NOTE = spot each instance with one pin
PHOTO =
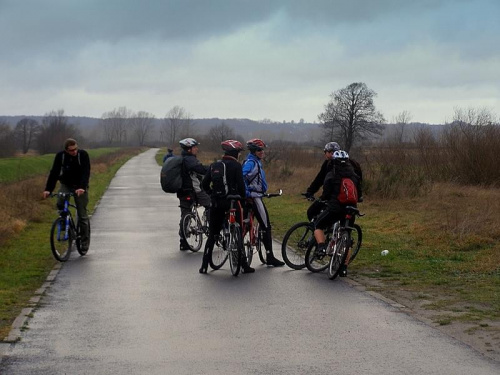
(45, 194)
(308, 196)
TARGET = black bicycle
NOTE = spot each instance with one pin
(343, 243)
(194, 227)
(229, 244)
(299, 240)
(64, 231)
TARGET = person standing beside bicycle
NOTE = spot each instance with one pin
(71, 167)
(220, 205)
(256, 187)
(191, 191)
(329, 208)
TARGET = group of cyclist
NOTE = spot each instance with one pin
(248, 180)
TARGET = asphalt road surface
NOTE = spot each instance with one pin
(137, 305)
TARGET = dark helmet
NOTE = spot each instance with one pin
(332, 146)
(231, 145)
(256, 144)
(187, 143)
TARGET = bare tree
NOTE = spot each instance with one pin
(7, 144)
(25, 132)
(219, 133)
(54, 130)
(115, 124)
(350, 115)
(176, 124)
(141, 124)
(401, 121)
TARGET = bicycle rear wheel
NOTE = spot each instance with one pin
(315, 261)
(338, 256)
(356, 240)
(192, 232)
(258, 244)
(219, 252)
(248, 247)
(235, 249)
(298, 239)
(59, 242)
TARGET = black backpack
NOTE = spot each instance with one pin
(171, 174)
(220, 189)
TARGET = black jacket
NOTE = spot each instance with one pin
(190, 165)
(73, 171)
(234, 177)
(331, 186)
(327, 167)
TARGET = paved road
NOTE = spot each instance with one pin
(137, 305)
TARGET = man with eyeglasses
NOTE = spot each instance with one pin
(71, 167)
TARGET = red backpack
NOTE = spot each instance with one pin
(348, 193)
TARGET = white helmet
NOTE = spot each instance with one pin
(341, 155)
(187, 143)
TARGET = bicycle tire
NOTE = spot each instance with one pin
(317, 262)
(235, 249)
(192, 232)
(338, 256)
(61, 248)
(248, 247)
(260, 249)
(219, 253)
(357, 240)
(295, 244)
(78, 241)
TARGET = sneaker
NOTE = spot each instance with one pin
(272, 261)
(320, 251)
(183, 246)
(248, 269)
(343, 271)
(203, 268)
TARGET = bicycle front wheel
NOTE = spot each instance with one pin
(235, 249)
(192, 232)
(316, 261)
(60, 241)
(258, 244)
(338, 256)
(219, 252)
(78, 240)
(298, 239)
(356, 240)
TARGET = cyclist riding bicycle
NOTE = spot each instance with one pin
(220, 204)
(328, 213)
(190, 192)
(72, 168)
(256, 187)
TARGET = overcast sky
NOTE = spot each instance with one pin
(274, 59)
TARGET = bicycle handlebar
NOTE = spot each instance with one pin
(61, 194)
(271, 195)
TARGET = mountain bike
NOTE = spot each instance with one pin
(299, 239)
(229, 244)
(252, 234)
(194, 227)
(340, 238)
(64, 231)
